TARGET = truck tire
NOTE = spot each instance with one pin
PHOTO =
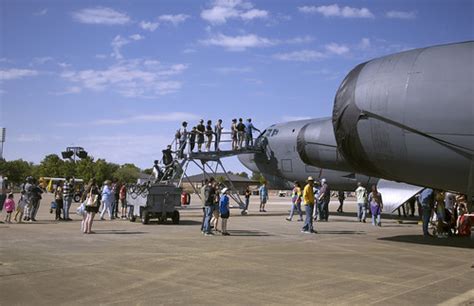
(77, 198)
(175, 217)
(145, 217)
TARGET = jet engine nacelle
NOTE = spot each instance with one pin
(410, 117)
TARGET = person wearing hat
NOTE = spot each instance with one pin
(224, 210)
(323, 200)
(106, 200)
(308, 202)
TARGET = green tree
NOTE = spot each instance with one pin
(256, 176)
(85, 169)
(127, 173)
(104, 170)
(243, 174)
(16, 170)
(51, 166)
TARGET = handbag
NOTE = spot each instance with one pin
(91, 200)
(80, 209)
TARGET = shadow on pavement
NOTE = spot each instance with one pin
(457, 242)
(247, 233)
(118, 232)
(342, 232)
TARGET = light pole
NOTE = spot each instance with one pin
(3, 133)
(73, 152)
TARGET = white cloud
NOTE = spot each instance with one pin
(68, 91)
(118, 42)
(130, 78)
(335, 10)
(14, 73)
(301, 56)
(229, 70)
(189, 50)
(136, 37)
(101, 15)
(41, 13)
(239, 43)
(254, 13)
(41, 60)
(174, 19)
(222, 10)
(401, 14)
(337, 48)
(364, 43)
(149, 26)
(300, 40)
(101, 56)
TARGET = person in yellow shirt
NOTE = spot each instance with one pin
(308, 202)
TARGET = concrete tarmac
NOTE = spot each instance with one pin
(265, 261)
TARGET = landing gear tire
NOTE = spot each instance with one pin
(175, 217)
(145, 217)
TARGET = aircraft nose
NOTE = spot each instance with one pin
(248, 161)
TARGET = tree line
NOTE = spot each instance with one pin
(53, 166)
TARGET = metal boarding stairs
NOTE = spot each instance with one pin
(209, 162)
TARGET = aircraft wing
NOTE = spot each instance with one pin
(395, 194)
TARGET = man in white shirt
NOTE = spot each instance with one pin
(361, 196)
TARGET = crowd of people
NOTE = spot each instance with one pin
(215, 201)
(205, 135)
(94, 199)
(445, 212)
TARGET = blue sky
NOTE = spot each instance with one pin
(118, 77)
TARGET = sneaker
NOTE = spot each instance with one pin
(208, 234)
(102, 219)
(314, 232)
(288, 219)
(363, 221)
(306, 232)
(263, 210)
(300, 220)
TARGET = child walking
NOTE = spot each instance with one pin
(224, 210)
(20, 209)
(9, 206)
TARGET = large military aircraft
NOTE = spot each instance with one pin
(409, 117)
(288, 153)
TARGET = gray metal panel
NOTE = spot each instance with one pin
(410, 117)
